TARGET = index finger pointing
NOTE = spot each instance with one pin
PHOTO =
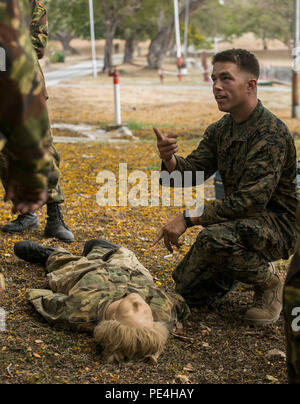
(159, 135)
(158, 238)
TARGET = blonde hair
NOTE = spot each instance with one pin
(122, 343)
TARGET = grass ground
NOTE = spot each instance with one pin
(214, 346)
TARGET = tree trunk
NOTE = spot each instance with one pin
(265, 43)
(65, 39)
(129, 49)
(108, 51)
(163, 41)
(159, 46)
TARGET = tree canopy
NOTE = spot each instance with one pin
(138, 20)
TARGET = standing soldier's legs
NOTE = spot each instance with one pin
(27, 221)
(55, 226)
(226, 253)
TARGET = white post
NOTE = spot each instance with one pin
(92, 27)
(118, 105)
(178, 42)
(118, 117)
(186, 28)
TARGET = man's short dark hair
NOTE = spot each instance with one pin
(245, 60)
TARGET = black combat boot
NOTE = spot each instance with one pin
(21, 223)
(32, 252)
(55, 226)
(89, 245)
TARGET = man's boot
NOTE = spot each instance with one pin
(21, 223)
(90, 244)
(32, 252)
(55, 226)
(267, 300)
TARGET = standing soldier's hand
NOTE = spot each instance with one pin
(25, 199)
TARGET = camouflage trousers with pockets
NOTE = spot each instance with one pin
(55, 193)
(227, 253)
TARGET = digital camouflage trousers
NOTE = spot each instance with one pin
(227, 253)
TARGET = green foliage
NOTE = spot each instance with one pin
(223, 21)
(195, 37)
(267, 20)
(73, 17)
(271, 19)
(57, 57)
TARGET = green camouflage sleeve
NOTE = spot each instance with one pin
(262, 170)
(39, 28)
(204, 158)
(23, 114)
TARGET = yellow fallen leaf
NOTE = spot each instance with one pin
(189, 368)
(2, 283)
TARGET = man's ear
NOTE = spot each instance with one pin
(252, 84)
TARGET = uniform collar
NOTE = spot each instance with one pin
(244, 129)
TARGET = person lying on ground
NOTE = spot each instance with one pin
(107, 292)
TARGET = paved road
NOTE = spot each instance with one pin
(76, 70)
(54, 79)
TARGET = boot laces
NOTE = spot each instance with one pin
(20, 219)
(59, 216)
(259, 297)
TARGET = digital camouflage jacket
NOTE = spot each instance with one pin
(257, 163)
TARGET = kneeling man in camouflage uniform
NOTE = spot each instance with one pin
(254, 224)
(108, 292)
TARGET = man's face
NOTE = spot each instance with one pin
(133, 311)
(231, 86)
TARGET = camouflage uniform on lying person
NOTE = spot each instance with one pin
(107, 292)
(55, 226)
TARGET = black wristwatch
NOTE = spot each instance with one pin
(187, 219)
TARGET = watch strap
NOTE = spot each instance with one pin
(187, 218)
